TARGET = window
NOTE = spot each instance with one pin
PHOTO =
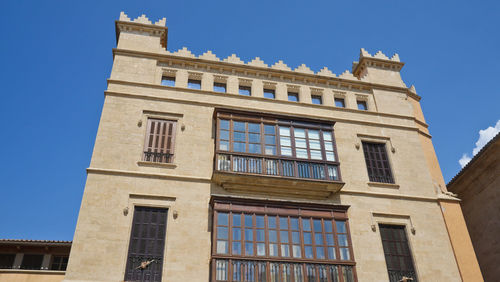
(377, 162)
(340, 102)
(269, 93)
(194, 83)
(293, 97)
(219, 87)
(316, 99)
(168, 81)
(362, 105)
(273, 146)
(159, 144)
(397, 253)
(245, 90)
(32, 262)
(286, 243)
(147, 242)
(59, 263)
(7, 261)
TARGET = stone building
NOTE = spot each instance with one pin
(209, 169)
(478, 186)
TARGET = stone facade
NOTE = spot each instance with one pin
(477, 185)
(119, 180)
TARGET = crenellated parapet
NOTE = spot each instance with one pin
(138, 29)
(378, 68)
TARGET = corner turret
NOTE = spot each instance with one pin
(378, 68)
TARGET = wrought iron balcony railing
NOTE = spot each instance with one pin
(275, 166)
(157, 157)
(397, 275)
(272, 271)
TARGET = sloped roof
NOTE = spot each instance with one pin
(35, 242)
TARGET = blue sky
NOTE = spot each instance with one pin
(56, 57)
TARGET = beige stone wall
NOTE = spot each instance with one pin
(30, 276)
(118, 180)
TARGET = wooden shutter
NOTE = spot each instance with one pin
(377, 163)
(397, 253)
(159, 144)
(147, 242)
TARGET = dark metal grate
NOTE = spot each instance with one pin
(397, 253)
(377, 163)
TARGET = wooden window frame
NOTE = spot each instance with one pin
(167, 150)
(266, 208)
(374, 170)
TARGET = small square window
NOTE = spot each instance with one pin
(362, 105)
(316, 99)
(168, 81)
(340, 102)
(293, 97)
(245, 90)
(219, 87)
(194, 84)
(269, 93)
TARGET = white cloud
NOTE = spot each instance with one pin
(485, 135)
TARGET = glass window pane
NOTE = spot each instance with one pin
(221, 247)
(260, 235)
(293, 97)
(320, 253)
(314, 144)
(224, 145)
(307, 238)
(269, 93)
(285, 251)
(341, 227)
(316, 155)
(362, 105)
(328, 146)
(294, 223)
(342, 240)
(224, 124)
(306, 224)
(236, 234)
(260, 221)
(270, 139)
(344, 254)
(295, 237)
(194, 84)
(331, 253)
(261, 249)
(239, 126)
(300, 143)
(271, 221)
(339, 103)
(168, 81)
(317, 225)
(299, 132)
(239, 136)
(269, 129)
(224, 134)
(313, 134)
(249, 249)
(284, 131)
(283, 222)
(328, 225)
(254, 138)
(222, 219)
(270, 150)
(236, 248)
(286, 151)
(285, 141)
(329, 239)
(330, 156)
(219, 87)
(248, 220)
(296, 251)
(244, 90)
(284, 236)
(249, 234)
(272, 236)
(327, 136)
(254, 127)
(308, 252)
(254, 148)
(236, 219)
(316, 100)
(221, 232)
(273, 250)
(238, 147)
(318, 238)
(301, 153)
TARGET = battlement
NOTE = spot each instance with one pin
(142, 19)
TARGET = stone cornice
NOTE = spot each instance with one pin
(263, 72)
(155, 30)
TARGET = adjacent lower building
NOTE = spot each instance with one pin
(209, 169)
(478, 186)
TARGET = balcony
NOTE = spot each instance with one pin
(276, 175)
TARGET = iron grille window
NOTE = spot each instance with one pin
(147, 242)
(397, 253)
(377, 162)
(159, 144)
(255, 243)
(59, 263)
(32, 262)
(7, 261)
